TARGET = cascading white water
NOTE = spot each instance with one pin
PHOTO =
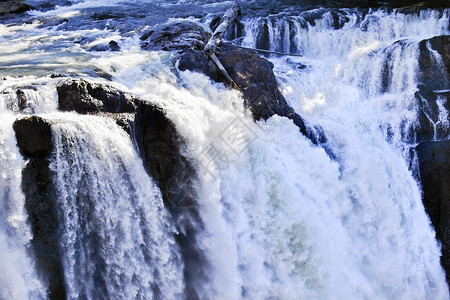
(117, 241)
(281, 219)
(18, 278)
(28, 95)
(369, 66)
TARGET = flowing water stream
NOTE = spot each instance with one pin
(281, 218)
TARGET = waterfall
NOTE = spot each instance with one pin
(296, 224)
(117, 241)
(279, 217)
(18, 279)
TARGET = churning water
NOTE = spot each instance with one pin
(281, 218)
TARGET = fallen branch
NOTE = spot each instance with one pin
(268, 51)
(224, 72)
(225, 22)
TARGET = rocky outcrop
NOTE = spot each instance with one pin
(252, 73)
(434, 85)
(13, 6)
(162, 151)
(175, 36)
(434, 156)
(159, 144)
(84, 97)
(434, 164)
(33, 136)
(434, 70)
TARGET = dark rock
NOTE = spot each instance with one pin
(434, 84)
(21, 99)
(113, 46)
(175, 36)
(13, 6)
(39, 194)
(252, 73)
(124, 120)
(84, 97)
(34, 139)
(433, 74)
(262, 37)
(34, 136)
(162, 150)
(434, 165)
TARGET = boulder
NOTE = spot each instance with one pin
(252, 73)
(111, 46)
(13, 6)
(175, 36)
(85, 97)
(434, 166)
(34, 136)
(432, 72)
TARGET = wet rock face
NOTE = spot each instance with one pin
(157, 138)
(161, 149)
(34, 136)
(175, 36)
(252, 73)
(432, 71)
(434, 86)
(434, 163)
(39, 192)
(84, 97)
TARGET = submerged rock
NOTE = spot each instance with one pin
(434, 164)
